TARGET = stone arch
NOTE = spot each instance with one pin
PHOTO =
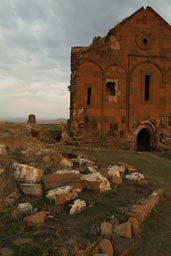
(91, 64)
(167, 75)
(167, 87)
(143, 63)
(116, 67)
(144, 140)
(89, 77)
(145, 83)
(145, 137)
(88, 97)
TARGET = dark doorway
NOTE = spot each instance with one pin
(144, 140)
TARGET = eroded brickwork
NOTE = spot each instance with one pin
(121, 84)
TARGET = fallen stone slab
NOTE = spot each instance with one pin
(123, 246)
(3, 149)
(92, 169)
(26, 173)
(61, 178)
(143, 183)
(11, 199)
(31, 189)
(63, 194)
(106, 229)
(124, 230)
(138, 212)
(95, 181)
(21, 210)
(106, 247)
(135, 176)
(43, 152)
(64, 162)
(114, 175)
(25, 208)
(6, 251)
(117, 168)
(129, 168)
(143, 209)
(22, 241)
(77, 207)
(134, 226)
(36, 220)
(83, 161)
(1, 171)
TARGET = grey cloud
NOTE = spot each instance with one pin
(35, 42)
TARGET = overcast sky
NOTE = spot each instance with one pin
(35, 45)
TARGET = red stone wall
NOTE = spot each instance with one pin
(138, 46)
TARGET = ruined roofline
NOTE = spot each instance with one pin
(125, 20)
(155, 13)
(76, 49)
(98, 40)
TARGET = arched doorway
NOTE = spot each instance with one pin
(144, 140)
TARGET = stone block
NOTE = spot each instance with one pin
(106, 247)
(31, 189)
(61, 178)
(77, 207)
(63, 194)
(106, 229)
(26, 173)
(95, 181)
(124, 230)
(36, 220)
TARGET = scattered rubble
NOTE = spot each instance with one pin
(65, 184)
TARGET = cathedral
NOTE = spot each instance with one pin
(120, 89)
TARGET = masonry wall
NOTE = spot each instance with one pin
(123, 81)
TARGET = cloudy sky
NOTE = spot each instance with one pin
(35, 44)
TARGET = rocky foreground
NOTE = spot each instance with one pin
(38, 183)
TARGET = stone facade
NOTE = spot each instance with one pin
(121, 84)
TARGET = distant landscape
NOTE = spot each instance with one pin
(39, 120)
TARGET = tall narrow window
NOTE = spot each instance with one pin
(147, 88)
(111, 86)
(88, 95)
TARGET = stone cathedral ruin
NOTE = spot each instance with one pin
(121, 84)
